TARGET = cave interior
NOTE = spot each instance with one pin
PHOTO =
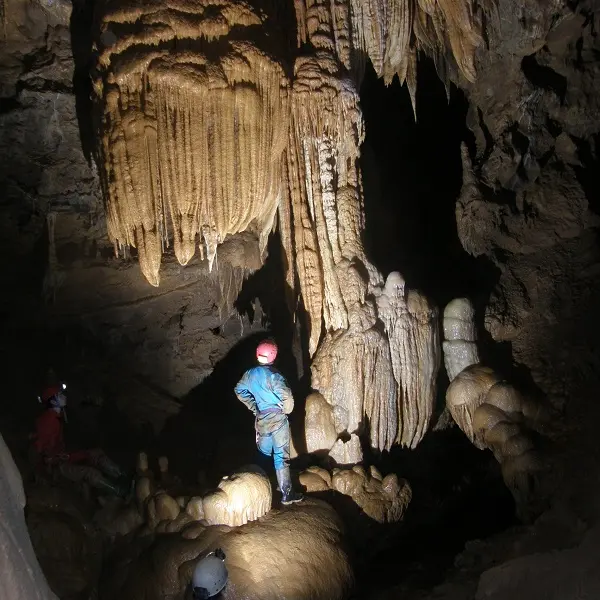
(481, 188)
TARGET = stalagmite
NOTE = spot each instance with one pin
(242, 497)
(460, 348)
(162, 507)
(491, 412)
(193, 124)
(347, 452)
(384, 500)
(466, 393)
(502, 432)
(412, 328)
(388, 390)
(144, 483)
(319, 425)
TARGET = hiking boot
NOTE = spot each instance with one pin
(289, 496)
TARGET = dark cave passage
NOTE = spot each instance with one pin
(412, 177)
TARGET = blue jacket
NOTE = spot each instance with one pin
(265, 392)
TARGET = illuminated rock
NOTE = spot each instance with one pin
(241, 497)
(319, 427)
(491, 412)
(191, 132)
(298, 552)
(383, 499)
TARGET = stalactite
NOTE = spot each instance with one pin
(392, 33)
(193, 124)
(237, 257)
(325, 135)
(376, 353)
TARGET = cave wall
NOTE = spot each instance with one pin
(59, 270)
(530, 196)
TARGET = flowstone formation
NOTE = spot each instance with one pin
(374, 343)
(168, 529)
(382, 499)
(193, 120)
(491, 412)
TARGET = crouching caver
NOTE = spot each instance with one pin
(90, 466)
(266, 393)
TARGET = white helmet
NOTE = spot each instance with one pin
(210, 575)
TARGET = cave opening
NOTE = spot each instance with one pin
(412, 177)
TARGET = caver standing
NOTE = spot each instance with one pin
(266, 393)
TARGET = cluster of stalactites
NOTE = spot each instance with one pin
(375, 351)
(192, 139)
(322, 224)
(392, 32)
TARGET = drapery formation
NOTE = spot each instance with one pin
(206, 132)
(193, 121)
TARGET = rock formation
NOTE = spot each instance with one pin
(527, 211)
(301, 551)
(191, 137)
(255, 141)
(22, 576)
(302, 548)
(365, 333)
(460, 348)
(241, 497)
(392, 32)
(490, 411)
(319, 426)
(383, 499)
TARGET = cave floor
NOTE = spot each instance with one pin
(460, 507)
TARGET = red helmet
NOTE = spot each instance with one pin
(50, 391)
(266, 353)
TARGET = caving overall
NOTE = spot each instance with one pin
(264, 391)
(89, 466)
